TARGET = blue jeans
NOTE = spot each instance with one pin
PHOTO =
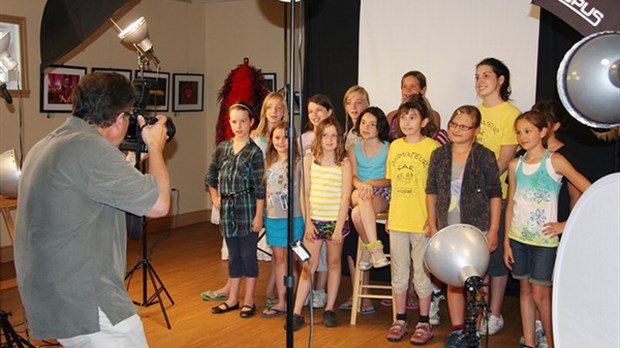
(533, 263)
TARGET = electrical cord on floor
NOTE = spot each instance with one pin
(311, 306)
(174, 225)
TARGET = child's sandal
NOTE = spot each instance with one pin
(376, 252)
(365, 262)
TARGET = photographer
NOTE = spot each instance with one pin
(70, 248)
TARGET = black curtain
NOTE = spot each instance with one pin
(331, 50)
(592, 157)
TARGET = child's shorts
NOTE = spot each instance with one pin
(533, 263)
(325, 229)
(277, 231)
(385, 192)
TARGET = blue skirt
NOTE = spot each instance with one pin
(277, 231)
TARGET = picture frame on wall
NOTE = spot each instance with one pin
(14, 60)
(124, 72)
(57, 85)
(187, 92)
(271, 81)
(159, 92)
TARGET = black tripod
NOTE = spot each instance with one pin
(149, 272)
(472, 285)
(11, 337)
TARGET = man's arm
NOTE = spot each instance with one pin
(155, 136)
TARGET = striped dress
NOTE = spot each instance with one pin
(325, 192)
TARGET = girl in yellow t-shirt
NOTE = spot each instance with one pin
(407, 168)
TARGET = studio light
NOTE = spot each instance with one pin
(457, 253)
(588, 80)
(7, 63)
(9, 174)
(137, 35)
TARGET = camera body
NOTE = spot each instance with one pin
(133, 140)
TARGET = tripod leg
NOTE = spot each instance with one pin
(161, 284)
(10, 335)
(152, 275)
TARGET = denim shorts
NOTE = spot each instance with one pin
(533, 263)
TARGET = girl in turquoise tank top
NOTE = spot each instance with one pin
(532, 229)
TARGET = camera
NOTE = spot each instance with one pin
(133, 140)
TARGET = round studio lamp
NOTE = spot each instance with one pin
(457, 253)
(588, 80)
(9, 174)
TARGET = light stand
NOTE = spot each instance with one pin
(136, 34)
(289, 279)
(10, 336)
(471, 290)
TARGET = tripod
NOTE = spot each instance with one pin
(472, 285)
(11, 337)
(148, 271)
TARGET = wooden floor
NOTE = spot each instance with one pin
(188, 261)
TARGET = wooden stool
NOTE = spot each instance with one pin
(383, 292)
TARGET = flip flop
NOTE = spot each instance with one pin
(367, 311)
(346, 306)
(271, 313)
(211, 295)
(271, 301)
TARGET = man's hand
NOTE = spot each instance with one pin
(155, 135)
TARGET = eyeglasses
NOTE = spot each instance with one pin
(461, 127)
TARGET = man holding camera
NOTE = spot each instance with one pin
(70, 247)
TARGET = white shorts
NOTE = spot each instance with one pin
(127, 333)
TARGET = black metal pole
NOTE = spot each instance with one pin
(289, 280)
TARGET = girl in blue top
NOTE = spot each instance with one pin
(371, 189)
(531, 240)
(276, 208)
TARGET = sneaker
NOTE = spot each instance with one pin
(434, 310)
(319, 299)
(495, 324)
(423, 333)
(455, 340)
(541, 338)
(365, 262)
(330, 319)
(298, 322)
(397, 331)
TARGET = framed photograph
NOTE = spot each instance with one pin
(187, 92)
(270, 81)
(124, 72)
(14, 60)
(158, 96)
(57, 85)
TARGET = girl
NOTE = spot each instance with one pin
(327, 176)
(236, 188)
(372, 191)
(413, 83)
(272, 111)
(276, 221)
(463, 187)
(497, 134)
(355, 101)
(407, 167)
(319, 108)
(531, 215)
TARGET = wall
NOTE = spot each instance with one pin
(211, 39)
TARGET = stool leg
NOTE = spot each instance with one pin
(357, 287)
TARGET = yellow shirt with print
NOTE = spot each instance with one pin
(498, 129)
(407, 168)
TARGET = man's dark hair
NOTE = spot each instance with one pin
(100, 97)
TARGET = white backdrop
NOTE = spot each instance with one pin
(445, 39)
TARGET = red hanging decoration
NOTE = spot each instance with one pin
(245, 83)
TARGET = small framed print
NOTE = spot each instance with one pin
(158, 96)
(270, 81)
(124, 72)
(187, 92)
(57, 85)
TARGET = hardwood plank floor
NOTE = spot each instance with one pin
(187, 260)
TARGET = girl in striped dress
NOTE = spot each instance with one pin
(326, 195)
